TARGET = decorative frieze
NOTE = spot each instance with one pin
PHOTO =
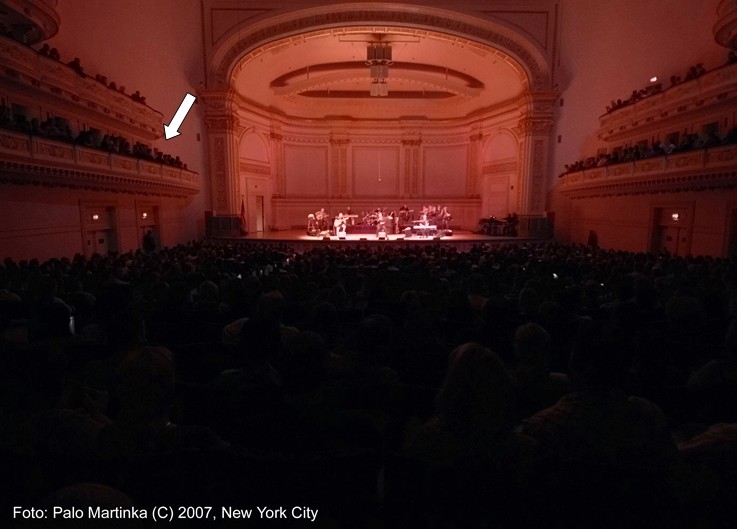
(247, 167)
(506, 167)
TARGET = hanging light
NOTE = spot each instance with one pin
(378, 59)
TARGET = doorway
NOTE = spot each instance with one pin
(671, 230)
(256, 213)
(98, 241)
(99, 229)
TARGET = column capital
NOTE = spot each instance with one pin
(218, 101)
(534, 126)
(222, 124)
(537, 103)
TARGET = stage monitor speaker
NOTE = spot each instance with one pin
(326, 237)
(382, 235)
(407, 233)
(449, 233)
(341, 237)
(363, 239)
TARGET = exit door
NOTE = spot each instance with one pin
(98, 241)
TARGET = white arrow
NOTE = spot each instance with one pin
(172, 129)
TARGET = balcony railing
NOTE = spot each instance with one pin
(28, 159)
(715, 167)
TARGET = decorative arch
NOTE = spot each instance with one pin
(253, 147)
(253, 39)
(500, 145)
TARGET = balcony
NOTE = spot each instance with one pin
(37, 18)
(34, 79)
(714, 168)
(710, 96)
(31, 160)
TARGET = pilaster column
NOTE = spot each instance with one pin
(534, 130)
(411, 176)
(474, 165)
(223, 130)
(339, 145)
(276, 144)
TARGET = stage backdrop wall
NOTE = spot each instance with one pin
(306, 170)
(445, 170)
(375, 171)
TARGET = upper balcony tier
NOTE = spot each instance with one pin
(30, 21)
(26, 75)
(35, 160)
(714, 168)
(714, 94)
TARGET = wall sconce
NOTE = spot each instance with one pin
(95, 216)
(675, 217)
(144, 215)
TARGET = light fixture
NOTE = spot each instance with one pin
(378, 59)
(379, 88)
(95, 216)
(144, 215)
(675, 216)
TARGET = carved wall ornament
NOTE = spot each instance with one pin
(535, 126)
(222, 124)
(13, 144)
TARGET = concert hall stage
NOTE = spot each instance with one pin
(459, 238)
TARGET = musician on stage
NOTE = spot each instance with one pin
(445, 217)
(322, 220)
(404, 219)
(339, 225)
(380, 222)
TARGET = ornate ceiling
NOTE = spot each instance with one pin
(324, 74)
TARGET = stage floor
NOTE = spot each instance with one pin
(300, 235)
(459, 238)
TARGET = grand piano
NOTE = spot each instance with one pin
(494, 226)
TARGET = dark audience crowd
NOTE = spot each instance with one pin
(408, 386)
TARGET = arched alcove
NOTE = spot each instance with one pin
(253, 148)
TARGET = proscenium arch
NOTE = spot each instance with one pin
(255, 38)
